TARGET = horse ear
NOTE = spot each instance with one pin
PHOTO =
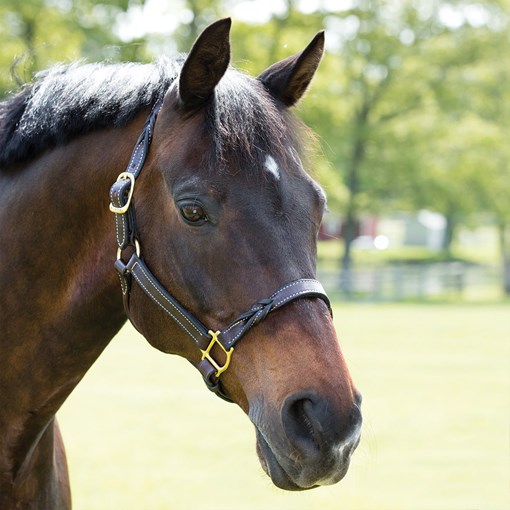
(288, 79)
(206, 63)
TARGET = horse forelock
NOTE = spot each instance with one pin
(245, 122)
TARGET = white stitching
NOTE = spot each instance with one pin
(118, 219)
(234, 325)
(291, 297)
(275, 305)
(244, 331)
(165, 298)
(297, 282)
(163, 308)
(123, 285)
(137, 153)
(231, 327)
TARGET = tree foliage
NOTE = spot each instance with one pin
(410, 104)
(38, 33)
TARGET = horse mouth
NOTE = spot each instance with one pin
(273, 468)
(294, 475)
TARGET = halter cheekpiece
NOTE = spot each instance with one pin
(122, 204)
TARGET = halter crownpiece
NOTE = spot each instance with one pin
(122, 205)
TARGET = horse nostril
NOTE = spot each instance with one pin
(311, 424)
(300, 423)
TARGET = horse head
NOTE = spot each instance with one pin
(226, 215)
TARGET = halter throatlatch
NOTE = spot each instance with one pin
(135, 269)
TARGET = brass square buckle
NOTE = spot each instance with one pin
(206, 354)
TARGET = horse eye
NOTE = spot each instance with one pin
(193, 213)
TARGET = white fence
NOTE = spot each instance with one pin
(408, 281)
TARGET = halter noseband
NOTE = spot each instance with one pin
(121, 196)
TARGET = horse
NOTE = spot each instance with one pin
(193, 172)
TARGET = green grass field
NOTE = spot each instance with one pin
(143, 433)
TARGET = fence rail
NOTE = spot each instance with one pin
(408, 281)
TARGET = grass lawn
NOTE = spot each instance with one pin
(143, 433)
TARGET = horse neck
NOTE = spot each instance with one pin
(60, 300)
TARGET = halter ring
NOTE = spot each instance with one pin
(137, 250)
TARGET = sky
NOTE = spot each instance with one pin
(163, 16)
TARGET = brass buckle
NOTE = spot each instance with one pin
(206, 353)
(122, 210)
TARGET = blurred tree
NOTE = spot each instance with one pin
(488, 91)
(401, 132)
(200, 13)
(410, 104)
(399, 104)
(459, 134)
(37, 33)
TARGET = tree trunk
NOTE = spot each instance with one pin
(449, 233)
(350, 225)
(504, 243)
(349, 234)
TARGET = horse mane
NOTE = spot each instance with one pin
(67, 101)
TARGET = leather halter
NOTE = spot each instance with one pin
(122, 204)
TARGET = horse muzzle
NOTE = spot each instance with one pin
(309, 444)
